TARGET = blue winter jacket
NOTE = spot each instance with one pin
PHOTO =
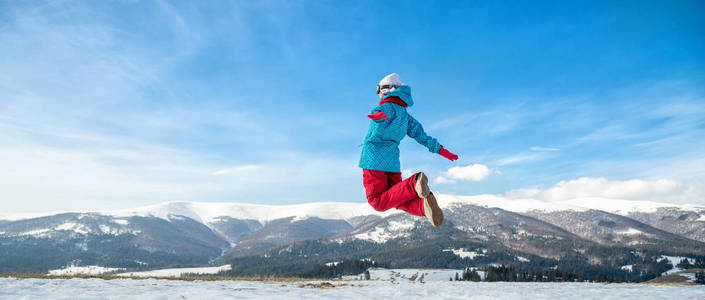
(380, 150)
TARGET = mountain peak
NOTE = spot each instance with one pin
(207, 212)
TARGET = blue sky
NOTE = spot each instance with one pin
(113, 104)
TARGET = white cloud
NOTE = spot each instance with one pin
(406, 173)
(235, 169)
(473, 172)
(660, 190)
(542, 149)
(442, 180)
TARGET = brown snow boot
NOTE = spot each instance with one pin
(430, 205)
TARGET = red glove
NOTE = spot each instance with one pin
(445, 153)
(378, 115)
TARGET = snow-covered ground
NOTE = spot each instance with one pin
(177, 272)
(628, 268)
(84, 270)
(413, 275)
(675, 260)
(462, 253)
(630, 231)
(11, 288)
(383, 233)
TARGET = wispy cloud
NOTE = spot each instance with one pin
(541, 149)
(236, 169)
(492, 121)
(520, 158)
(96, 115)
(610, 133)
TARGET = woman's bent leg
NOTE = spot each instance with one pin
(413, 206)
(382, 195)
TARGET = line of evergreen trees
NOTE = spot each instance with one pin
(28, 254)
(307, 259)
(557, 274)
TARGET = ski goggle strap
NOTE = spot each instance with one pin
(386, 89)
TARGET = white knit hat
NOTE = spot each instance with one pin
(391, 79)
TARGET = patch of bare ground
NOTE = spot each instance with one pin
(678, 278)
(321, 285)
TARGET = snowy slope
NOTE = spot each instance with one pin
(24, 216)
(674, 261)
(513, 205)
(616, 206)
(206, 212)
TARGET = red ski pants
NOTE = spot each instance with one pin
(386, 190)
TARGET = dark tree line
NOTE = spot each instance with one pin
(616, 264)
(700, 277)
(565, 272)
(513, 274)
(29, 254)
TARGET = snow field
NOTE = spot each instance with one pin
(462, 253)
(413, 275)
(675, 260)
(177, 272)
(82, 270)
(11, 288)
(383, 233)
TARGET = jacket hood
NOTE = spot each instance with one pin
(404, 93)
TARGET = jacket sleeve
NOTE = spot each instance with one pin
(387, 110)
(415, 131)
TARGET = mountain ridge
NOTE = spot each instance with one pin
(206, 212)
(198, 233)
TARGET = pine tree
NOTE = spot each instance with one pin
(474, 276)
(684, 264)
(700, 277)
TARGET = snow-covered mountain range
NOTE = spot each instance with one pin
(206, 212)
(192, 233)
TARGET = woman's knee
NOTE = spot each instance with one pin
(375, 204)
